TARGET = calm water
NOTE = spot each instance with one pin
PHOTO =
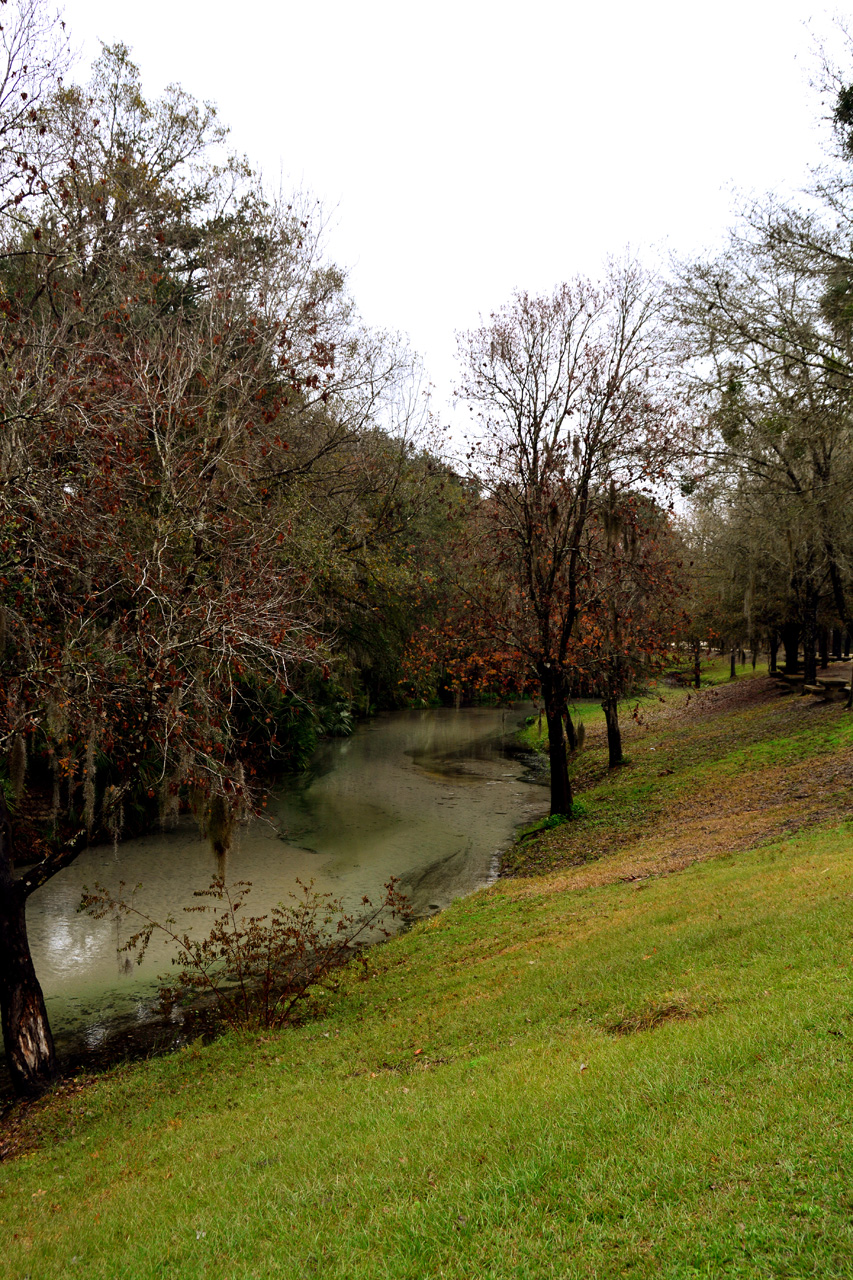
(427, 796)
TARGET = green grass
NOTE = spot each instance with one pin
(534, 735)
(669, 764)
(588, 711)
(650, 1080)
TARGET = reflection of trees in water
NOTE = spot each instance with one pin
(455, 760)
(123, 960)
(421, 885)
(379, 812)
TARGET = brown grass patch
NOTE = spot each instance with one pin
(726, 814)
(675, 1007)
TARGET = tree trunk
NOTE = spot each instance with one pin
(824, 648)
(697, 664)
(840, 596)
(732, 672)
(809, 655)
(774, 645)
(614, 735)
(27, 1038)
(554, 697)
(791, 641)
(571, 732)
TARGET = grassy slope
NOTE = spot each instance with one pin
(573, 1074)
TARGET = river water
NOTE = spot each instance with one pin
(430, 797)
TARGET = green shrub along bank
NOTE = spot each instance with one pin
(648, 1077)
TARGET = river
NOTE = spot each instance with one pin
(430, 797)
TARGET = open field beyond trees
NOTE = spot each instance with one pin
(592, 1068)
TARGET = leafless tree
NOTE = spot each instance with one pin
(570, 412)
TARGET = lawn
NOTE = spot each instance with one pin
(634, 1059)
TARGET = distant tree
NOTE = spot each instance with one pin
(750, 580)
(767, 332)
(34, 55)
(633, 614)
(570, 417)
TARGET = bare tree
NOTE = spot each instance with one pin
(569, 415)
(34, 56)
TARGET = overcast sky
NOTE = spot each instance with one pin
(464, 149)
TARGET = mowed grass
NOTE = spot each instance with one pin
(650, 1078)
(737, 747)
(588, 711)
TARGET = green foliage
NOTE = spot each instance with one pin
(837, 305)
(254, 458)
(553, 821)
(843, 119)
(337, 719)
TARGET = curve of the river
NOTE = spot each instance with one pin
(430, 797)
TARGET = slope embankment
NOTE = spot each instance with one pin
(632, 1057)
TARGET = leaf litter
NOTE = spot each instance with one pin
(703, 783)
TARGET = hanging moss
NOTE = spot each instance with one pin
(18, 765)
(221, 817)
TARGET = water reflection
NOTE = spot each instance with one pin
(427, 796)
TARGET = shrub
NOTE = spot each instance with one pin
(254, 971)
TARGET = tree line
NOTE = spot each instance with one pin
(765, 329)
(227, 522)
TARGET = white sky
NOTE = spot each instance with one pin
(467, 148)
